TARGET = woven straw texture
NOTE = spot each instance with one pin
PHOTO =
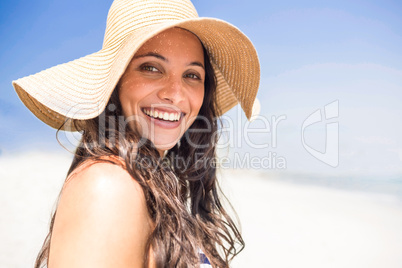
(80, 89)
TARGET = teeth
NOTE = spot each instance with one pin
(163, 115)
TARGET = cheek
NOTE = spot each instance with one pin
(128, 102)
(198, 100)
(123, 101)
(129, 96)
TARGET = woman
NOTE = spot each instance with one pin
(142, 190)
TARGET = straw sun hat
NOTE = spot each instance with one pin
(80, 89)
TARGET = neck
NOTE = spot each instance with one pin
(162, 153)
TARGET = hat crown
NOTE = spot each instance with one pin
(127, 16)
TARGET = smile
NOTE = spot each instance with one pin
(162, 115)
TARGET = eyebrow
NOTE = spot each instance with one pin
(197, 63)
(159, 56)
(151, 54)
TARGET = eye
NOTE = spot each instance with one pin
(149, 68)
(192, 76)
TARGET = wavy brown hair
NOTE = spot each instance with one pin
(181, 190)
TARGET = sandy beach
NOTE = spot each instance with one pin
(284, 224)
(292, 225)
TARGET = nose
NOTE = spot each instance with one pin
(173, 90)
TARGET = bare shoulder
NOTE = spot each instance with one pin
(96, 177)
(101, 220)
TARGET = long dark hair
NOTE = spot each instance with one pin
(181, 190)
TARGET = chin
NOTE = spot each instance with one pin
(165, 140)
(163, 146)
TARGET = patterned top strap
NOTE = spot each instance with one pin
(204, 261)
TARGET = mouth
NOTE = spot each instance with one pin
(172, 116)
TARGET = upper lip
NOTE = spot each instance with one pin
(176, 113)
(164, 109)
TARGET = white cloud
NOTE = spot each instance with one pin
(375, 140)
(369, 115)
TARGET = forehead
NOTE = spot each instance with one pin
(173, 40)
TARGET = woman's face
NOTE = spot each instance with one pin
(162, 89)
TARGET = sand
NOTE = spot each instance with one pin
(284, 224)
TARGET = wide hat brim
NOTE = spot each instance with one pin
(80, 89)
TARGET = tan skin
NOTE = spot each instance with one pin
(102, 219)
(166, 75)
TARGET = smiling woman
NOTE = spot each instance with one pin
(142, 188)
(163, 87)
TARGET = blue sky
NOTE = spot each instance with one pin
(312, 53)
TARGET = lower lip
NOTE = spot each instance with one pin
(164, 123)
